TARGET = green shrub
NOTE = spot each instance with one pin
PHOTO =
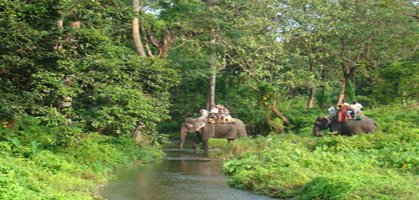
(382, 165)
(326, 188)
(215, 143)
(46, 169)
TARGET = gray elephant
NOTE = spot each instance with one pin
(351, 127)
(205, 130)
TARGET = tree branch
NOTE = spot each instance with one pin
(154, 41)
(147, 46)
(165, 42)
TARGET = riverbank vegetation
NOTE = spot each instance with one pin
(34, 165)
(72, 92)
(79, 78)
(383, 165)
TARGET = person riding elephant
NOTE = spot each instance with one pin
(206, 130)
(350, 127)
(224, 114)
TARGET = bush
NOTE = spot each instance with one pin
(383, 165)
(45, 169)
(215, 143)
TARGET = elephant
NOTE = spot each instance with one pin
(205, 130)
(351, 127)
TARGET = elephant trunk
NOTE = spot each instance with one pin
(182, 136)
(316, 130)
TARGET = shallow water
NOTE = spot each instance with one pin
(182, 175)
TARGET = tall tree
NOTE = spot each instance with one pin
(362, 36)
(302, 30)
(212, 75)
(347, 36)
(199, 27)
(255, 48)
(136, 29)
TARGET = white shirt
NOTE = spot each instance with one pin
(204, 113)
(357, 106)
(332, 111)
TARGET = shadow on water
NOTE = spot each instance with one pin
(182, 175)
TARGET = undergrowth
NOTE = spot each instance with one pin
(42, 169)
(383, 165)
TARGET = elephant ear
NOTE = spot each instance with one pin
(327, 121)
(323, 122)
(319, 121)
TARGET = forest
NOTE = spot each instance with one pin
(87, 86)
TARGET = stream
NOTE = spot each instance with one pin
(181, 175)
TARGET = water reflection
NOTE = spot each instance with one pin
(182, 175)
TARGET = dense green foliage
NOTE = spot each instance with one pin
(34, 166)
(272, 52)
(64, 88)
(382, 165)
(267, 54)
(74, 86)
(110, 88)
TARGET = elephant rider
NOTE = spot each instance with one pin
(332, 111)
(224, 114)
(213, 115)
(213, 112)
(204, 113)
(355, 109)
(345, 103)
(343, 112)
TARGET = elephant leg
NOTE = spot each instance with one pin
(194, 146)
(197, 141)
(205, 141)
(232, 133)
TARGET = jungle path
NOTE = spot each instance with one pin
(181, 175)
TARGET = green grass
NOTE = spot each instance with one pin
(40, 170)
(383, 165)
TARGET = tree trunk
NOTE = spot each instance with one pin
(147, 46)
(165, 42)
(58, 44)
(67, 101)
(347, 72)
(312, 65)
(212, 71)
(138, 138)
(69, 41)
(75, 24)
(280, 115)
(137, 135)
(211, 87)
(344, 84)
(310, 101)
(268, 117)
(136, 29)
